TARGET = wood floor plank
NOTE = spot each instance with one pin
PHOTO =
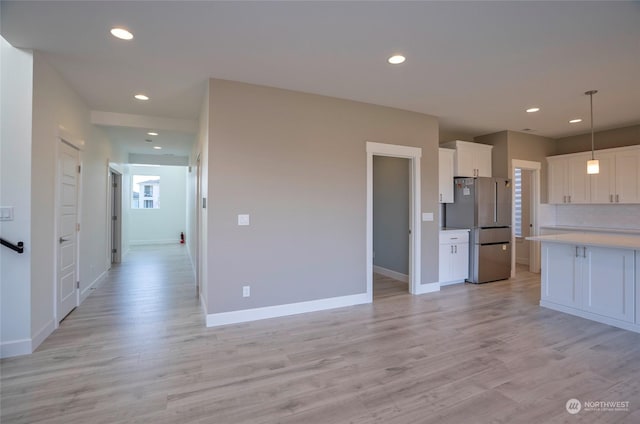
(137, 351)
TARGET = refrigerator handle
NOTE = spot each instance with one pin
(495, 201)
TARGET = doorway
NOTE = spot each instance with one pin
(526, 202)
(68, 184)
(413, 154)
(390, 225)
(115, 217)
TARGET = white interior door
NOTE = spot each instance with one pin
(68, 172)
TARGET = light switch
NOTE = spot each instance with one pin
(427, 216)
(243, 219)
(6, 213)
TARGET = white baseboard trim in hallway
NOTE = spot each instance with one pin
(15, 348)
(87, 291)
(391, 273)
(26, 346)
(153, 242)
(235, 317)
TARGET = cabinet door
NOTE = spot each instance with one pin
(578, 180)
(483, 162)
(445, 175)
(444, 266)
(602, 184)
(608, 282)
(556, 169)
(464, 162)
(460, 262)
(627, 177)
(561, 273)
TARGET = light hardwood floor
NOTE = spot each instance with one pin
(137, 351)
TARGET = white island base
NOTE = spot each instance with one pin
(593, 276)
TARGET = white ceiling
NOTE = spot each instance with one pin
(475, 65)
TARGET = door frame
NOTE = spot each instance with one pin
(111, 228)
(69, 139)
(414, 154)
(534, 246)
(198, 217)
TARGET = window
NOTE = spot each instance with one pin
(517, 202)
(145, 192)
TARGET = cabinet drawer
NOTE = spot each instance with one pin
(452, 236)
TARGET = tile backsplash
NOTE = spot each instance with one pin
(601, 216)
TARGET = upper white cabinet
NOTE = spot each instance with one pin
(445, 179)
(619, 177)
(470, 159)
(568, 179)
(617, 182)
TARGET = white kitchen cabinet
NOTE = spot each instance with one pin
(561, 274)
(445, 175)
(568, 180)
(470, 159)
(596, 280)
(619, 177)
(454, 256)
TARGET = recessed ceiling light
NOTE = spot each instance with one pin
(396, 59)
(121, 33)
(157, 147)
(533, 109)
(575, 121)
(152, 133)
(141, 97)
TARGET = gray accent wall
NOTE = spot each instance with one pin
(296, 163)
(391, 213)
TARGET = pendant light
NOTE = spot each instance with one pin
(593, 165)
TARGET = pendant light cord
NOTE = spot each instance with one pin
(591, 93)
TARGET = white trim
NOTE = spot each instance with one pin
(68, 138)
(591, 316)
(87, 291)
(150, 242)
(391, 273)
(448, 283)
(414, 154)
(534, 246)
(427, 288)
(245, 315)
(42, 334)
(15, 348)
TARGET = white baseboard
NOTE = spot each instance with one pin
(391, 274)
(448, 283)
(87, 291)
(15, 348)
(256, 314)
(151, 242)
(26, 346)
(427, 288)
(42, 334)
(591, 316)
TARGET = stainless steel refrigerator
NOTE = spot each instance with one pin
(483, 204)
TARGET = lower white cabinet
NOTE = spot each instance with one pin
(454, 256)
(596, 280)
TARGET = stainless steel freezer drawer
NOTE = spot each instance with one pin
(492, 262)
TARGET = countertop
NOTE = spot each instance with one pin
(593, 239)
(454, 229)
(628, 231)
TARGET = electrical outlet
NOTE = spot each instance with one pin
(246, 291)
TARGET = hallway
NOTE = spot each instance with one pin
(137, 351)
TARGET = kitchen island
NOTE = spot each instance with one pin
(591, 275)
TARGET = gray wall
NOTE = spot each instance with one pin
(618, 137)
(296, 163)
(391, 213)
